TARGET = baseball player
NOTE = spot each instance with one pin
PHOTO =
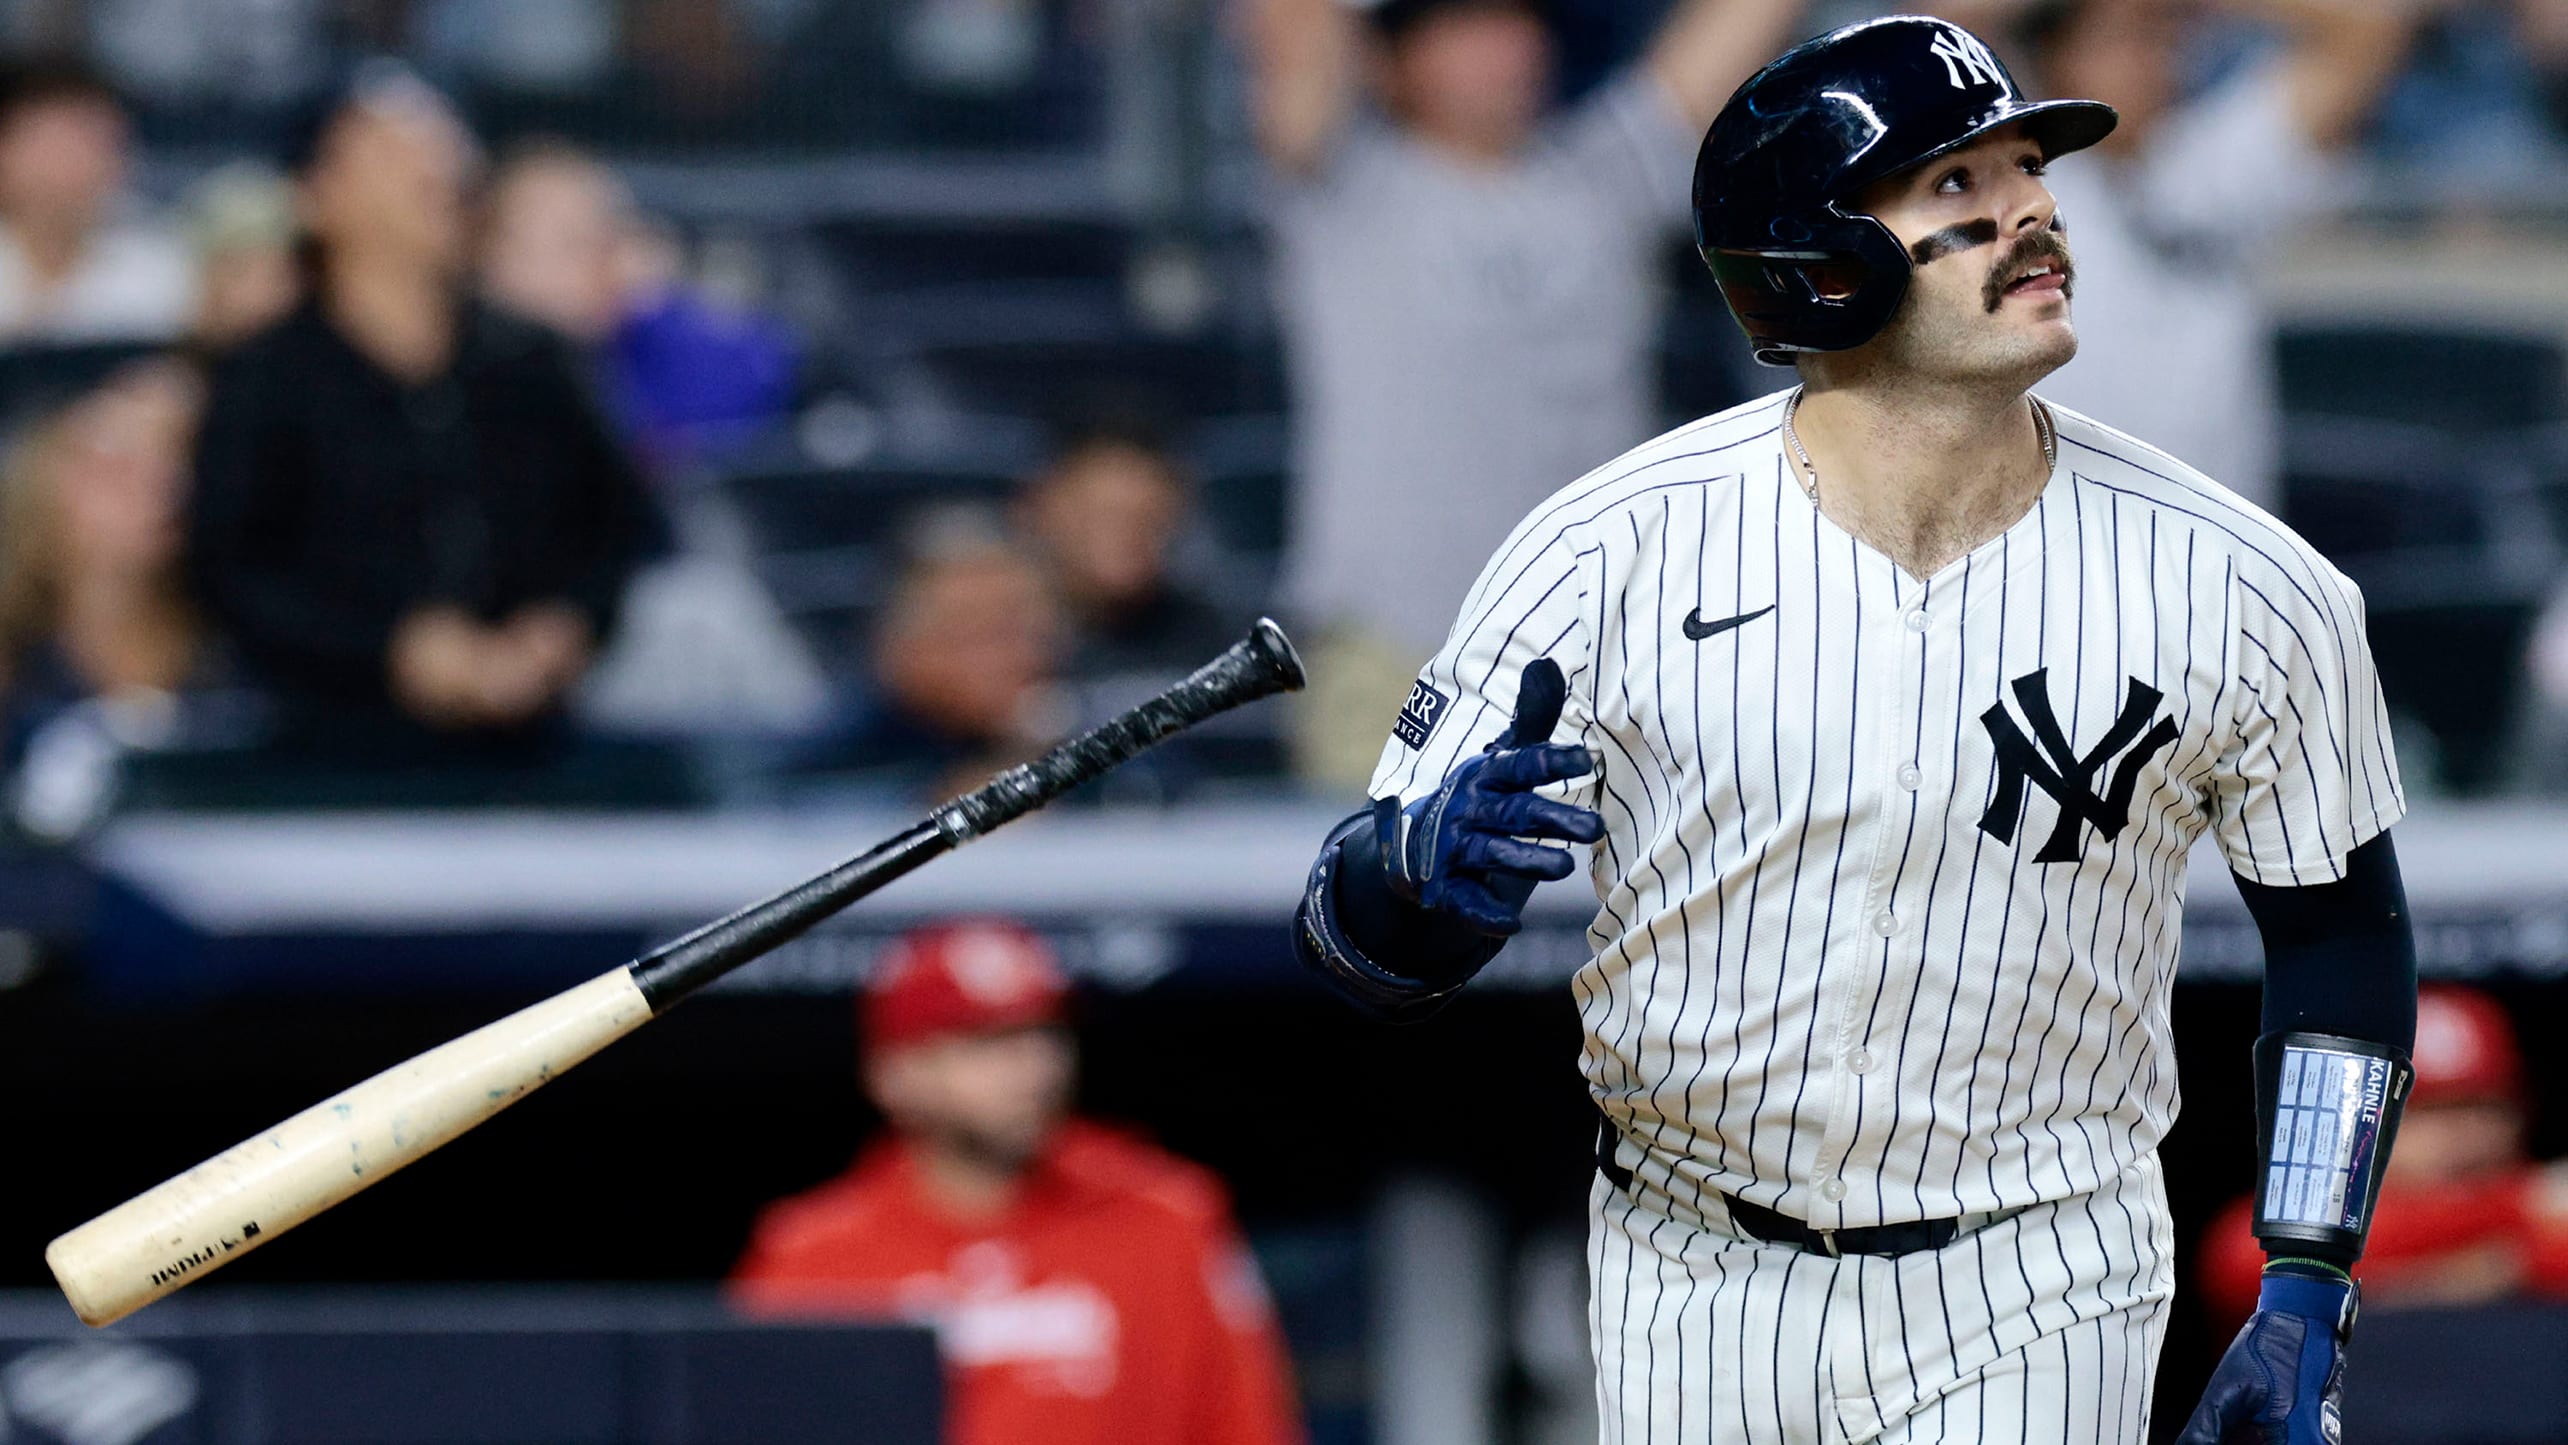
(1889, 708)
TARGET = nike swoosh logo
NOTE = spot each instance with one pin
(1697, 629)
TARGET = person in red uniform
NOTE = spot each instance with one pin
(1086, 1288)
(2465, 1217)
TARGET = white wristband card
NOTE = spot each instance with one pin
(2327, 1126)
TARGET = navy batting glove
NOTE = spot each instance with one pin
(2283, 1380)
(1461, 849)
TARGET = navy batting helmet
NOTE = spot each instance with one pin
(1806, 133)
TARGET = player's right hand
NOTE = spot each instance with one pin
(2283, 1380)
(1463, 849)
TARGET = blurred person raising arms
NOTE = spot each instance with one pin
(73, 268)
(407, 513)
(1087, 1289)
(1467, 283)
(2192, 197)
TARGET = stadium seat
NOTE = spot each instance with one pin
(889, 254)
(2450, 379)
(1066, 376)
(1060, 350)
(2452, 549)
(820, 509)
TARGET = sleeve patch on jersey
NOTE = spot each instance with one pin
(1419, 715)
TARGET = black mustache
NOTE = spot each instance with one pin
(2046, 245)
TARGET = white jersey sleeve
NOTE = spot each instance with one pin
(1530, 602)
(2309, 773)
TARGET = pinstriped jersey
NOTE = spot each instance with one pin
(1887, 904)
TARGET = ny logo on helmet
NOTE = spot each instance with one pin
(1966, 61)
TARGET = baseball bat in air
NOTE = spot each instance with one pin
(188, 1227)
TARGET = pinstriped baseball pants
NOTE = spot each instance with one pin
(2043, 1326)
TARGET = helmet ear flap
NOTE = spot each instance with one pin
(1832, 293)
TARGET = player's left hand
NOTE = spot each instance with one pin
(1461, 849)
(2283, 1380)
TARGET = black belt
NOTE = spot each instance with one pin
(1774, 1228)
(1888, 1239)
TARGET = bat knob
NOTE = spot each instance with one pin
(1275, 650)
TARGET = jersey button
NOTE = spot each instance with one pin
(1885, 923)
(1861, 1061)
(1916, 619)
(1909, 777)
(1833, 1190)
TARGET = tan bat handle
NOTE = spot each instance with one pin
(260, 1188)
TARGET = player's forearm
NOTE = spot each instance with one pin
(2340, 1000)
(1304, 58)
(2342, 54)
(1388, 956)
(2340, 958)
(1709, 46)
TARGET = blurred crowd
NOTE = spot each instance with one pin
(378, 445)
(363, 440)
(370, 453)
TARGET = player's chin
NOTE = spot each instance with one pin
(2044, 339)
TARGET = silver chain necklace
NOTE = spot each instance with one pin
(1810, 474)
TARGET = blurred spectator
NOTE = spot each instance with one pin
(241, 223)
(2465, 1217)
(92, 602)
(1468, 288)
(1087, 1289)
(2475, 104)
(76, 264)
(682, 368)
(552, 245)
(407, 513)
(2175, 213)
(966, 664)
(1106, 514)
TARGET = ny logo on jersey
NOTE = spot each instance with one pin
(1966, 61)
(2057, 768)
